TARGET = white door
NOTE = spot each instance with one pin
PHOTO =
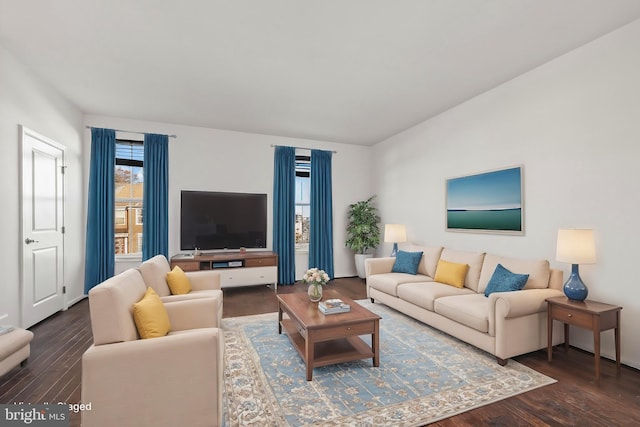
(42, 227)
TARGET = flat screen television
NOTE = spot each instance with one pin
(219, 220)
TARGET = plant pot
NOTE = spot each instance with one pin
(360, 264)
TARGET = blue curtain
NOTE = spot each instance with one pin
(284, 210)
(155, 226)
(100, 251)
(321, 233)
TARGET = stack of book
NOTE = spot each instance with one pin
(333, 306)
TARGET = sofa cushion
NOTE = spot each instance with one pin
(179, 283)
(150, 316)
(154, 272)
(111, 307)
(538, 270)
(430, 258)
(388, 282)
(472, 259)
(407, 262)
(503, 280)
(423, 294)
(471, 310)
(451, 273)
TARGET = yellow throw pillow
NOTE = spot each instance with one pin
(150, 316)
(451, 273)
(178, 281)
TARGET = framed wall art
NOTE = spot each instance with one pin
(489, 202)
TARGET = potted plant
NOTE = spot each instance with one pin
(363, 232)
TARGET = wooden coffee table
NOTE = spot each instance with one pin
(328, 339)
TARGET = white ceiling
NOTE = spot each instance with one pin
(350, 71)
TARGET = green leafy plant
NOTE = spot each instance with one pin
(363, 232)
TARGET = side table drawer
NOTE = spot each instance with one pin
(572, 317)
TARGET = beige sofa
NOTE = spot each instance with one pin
(173, 380)
(204, 284)
(504, 324)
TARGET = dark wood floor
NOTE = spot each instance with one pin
(53, 372)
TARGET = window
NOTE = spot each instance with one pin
(121, 217)
(303, 199)
(138, 216)
(129, 182)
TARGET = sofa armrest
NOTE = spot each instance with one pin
(521, 303)
(193, 313)
(204, 280)
(504, 305)
(378, 265)
(154, 353)
(143, 382)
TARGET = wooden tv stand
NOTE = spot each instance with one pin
(236, 269)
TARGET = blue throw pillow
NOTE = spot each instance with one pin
(503, 280)
(407, 262)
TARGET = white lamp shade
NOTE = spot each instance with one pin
(395, 233)
(576, 246)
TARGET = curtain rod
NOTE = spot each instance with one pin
(131, 131)
(301, 148)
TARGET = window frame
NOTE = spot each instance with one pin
(302, 172)
(137, 204)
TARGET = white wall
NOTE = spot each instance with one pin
(26, 100)
(574, 124)
(217, 160)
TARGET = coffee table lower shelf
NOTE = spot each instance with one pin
(328, 352)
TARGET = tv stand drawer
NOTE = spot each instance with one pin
(186, 265)
(261, 262)
(248, 276)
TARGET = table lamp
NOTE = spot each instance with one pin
(394, 233)
(576, 246)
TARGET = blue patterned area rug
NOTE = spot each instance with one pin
(424, 376)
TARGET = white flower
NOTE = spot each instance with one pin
(316, 276)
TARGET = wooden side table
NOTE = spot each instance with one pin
(592, 315)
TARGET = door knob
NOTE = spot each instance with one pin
(28, 241)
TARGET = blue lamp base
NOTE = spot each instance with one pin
(574, 288)
(394, 252)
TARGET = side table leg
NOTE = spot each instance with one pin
(566, 337)
(549, 335)
(279, 319)
(596, 350)
(617, 337)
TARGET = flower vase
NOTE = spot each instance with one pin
(315, 292)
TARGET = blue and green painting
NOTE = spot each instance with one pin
(487, 201)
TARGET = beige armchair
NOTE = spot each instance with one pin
(172, 380)
(204, 284)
